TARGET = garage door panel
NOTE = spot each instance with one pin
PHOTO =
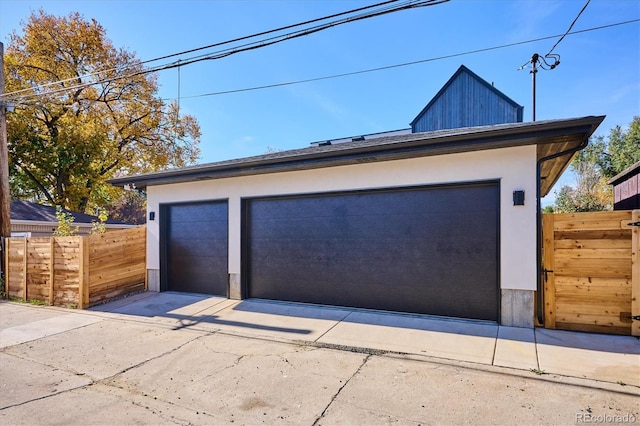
(196, 244)
(426, 250)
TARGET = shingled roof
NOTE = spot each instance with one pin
(27, 211)
(550, 137)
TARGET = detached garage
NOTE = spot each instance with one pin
(439, 223)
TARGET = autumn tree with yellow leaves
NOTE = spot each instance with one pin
(594, 166)
(85, 112)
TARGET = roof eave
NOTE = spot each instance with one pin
(422, 144)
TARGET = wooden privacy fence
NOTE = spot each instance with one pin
(591, 271)
(76, 271)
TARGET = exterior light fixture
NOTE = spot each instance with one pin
(518, 198)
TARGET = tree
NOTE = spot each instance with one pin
(130, 208)
(590, 194)
(87, 112)
(65, 226)
(595, 165)
(616, 153)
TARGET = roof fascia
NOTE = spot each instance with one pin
(423, 145)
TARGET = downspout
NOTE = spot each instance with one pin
(539, 286)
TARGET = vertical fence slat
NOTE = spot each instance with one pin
(52, 248)
(83, 272)
(7, 242)
(635, 273)
(24, 267)
(548, 277)
(146, 271)
(86, 258)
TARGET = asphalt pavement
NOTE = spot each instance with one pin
(170, 358)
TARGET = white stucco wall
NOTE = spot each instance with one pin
(515, 168)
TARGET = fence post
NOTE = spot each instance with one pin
(24, 266)
(146, 271)
(548, 275)
(52, 275)
(83, 272)
(6, 267)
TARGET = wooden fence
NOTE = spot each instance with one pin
(76, 271)
(592, 271)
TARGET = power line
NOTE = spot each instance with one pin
(570, 27)
(217, 44)
(395, 65)
(287, 27)
(405, 64)
(178, 63)
(544, 62)
(408, 4)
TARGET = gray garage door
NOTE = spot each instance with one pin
(194, 247)
(430, 250)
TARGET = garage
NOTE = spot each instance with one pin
(429, 250)
(194, 245)
(440, 223)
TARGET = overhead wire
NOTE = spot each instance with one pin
(408, 4)
(286, 27)
(405, 64)
(541, 61)
(402, 64)
(569, 29)
(84, 76)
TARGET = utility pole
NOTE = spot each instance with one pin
(5, 212)
(534, 71)
(539, 62)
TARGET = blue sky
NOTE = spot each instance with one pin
(599, 73)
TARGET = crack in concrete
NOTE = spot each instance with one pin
(535, 342)
(333, 398)
(40, 398)
(171, 418)
(92, 380)
(143, 362)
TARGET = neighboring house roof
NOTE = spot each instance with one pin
(626, 188)
(466, 99)
(632, 170)
(550, 137)
(27, 211)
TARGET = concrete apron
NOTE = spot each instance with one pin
(606, 358)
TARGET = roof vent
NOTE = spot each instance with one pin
(358, 138)
(326, 143)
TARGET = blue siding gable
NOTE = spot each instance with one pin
(466, 100)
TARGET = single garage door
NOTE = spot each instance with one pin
(194, 247)
(428, 250)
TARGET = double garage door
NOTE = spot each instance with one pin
(429, 250)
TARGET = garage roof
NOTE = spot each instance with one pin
(550, 137)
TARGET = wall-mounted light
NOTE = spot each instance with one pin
(518, 198)
(152, 215)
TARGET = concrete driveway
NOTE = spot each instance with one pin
(168, 358)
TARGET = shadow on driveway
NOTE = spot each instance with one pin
(192, 309)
